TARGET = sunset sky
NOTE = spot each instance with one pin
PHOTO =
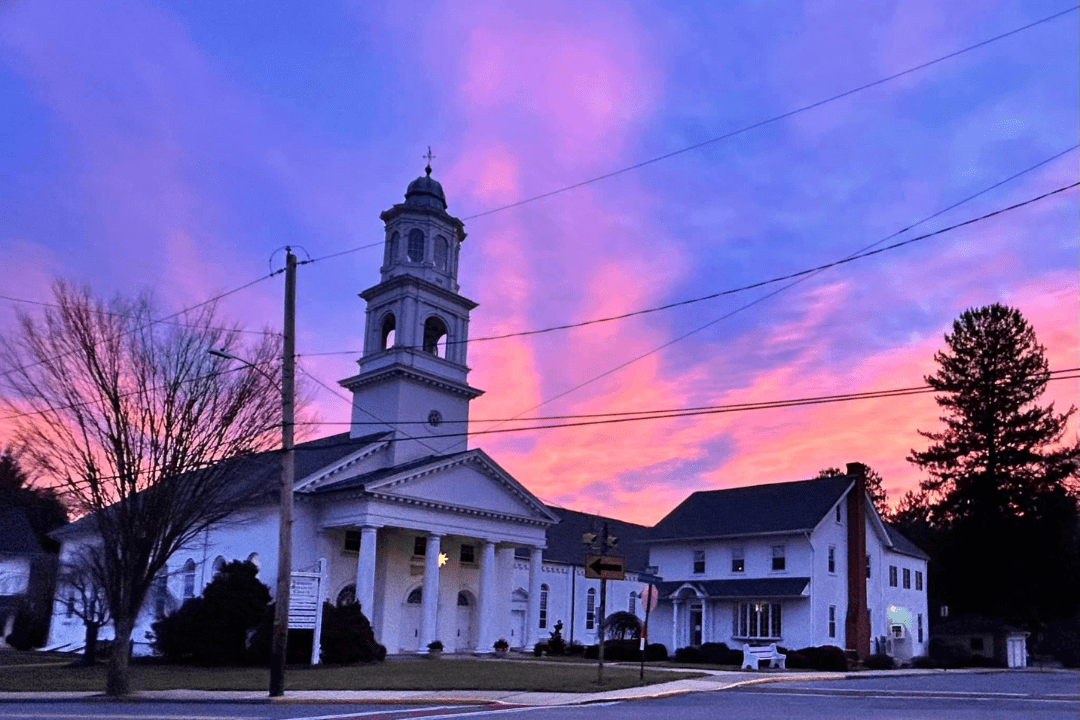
(177, 145)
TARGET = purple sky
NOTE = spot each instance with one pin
(176, 145)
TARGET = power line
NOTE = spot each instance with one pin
(125, 315)
(801, 273)
(773, 119)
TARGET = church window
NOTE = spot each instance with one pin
(419, 546)
(416, 597)
(416, 245)
(347, 596)
(832, 621)
(463, 599)
(189, 579)
(543, 606)
(832, 558)
(468, 554)
(219, 563)
(435, 336)
(590, 609)
(442, 252)
(71, 606)
(434, 418)
(391, 249)
(255, 560)
(161, 592)
(352, 540)
(632, 605)
(389, 323)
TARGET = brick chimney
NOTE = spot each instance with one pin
(857, 623)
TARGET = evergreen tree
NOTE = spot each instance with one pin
(1001, 489)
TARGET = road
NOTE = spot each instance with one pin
(994, 696)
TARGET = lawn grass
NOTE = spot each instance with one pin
(411, 674)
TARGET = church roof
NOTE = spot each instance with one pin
(425, 191)
(564, 543)
(359, 481)
(753, 510)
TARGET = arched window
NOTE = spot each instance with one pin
(161, 592)
(632, 606)
(219, 563)
(391, 249)
(442, 252)
(416, 245)
(347, 596)
(543, 606)
(415, 597)
(463, 600)
(255, 560)
(389, 324)
(590, 609)
(435, 336)
(189, 579)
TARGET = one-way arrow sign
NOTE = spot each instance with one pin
(604, 567)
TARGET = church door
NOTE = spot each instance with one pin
(411, 614)
(466, 640)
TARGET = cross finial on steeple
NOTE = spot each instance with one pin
(429, 157)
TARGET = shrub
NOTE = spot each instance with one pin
(213, 629)
(501, 645)
(721, 654)
(690, 655)
(575, 648)
(879, 661)
(655, 652)
(435, 646)
(824, 657)
(30, 630)
(923, 662)
(539, 649)
(555, 644)
(347, 637)
(1061, 640)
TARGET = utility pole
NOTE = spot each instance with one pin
(288, 469)
(603, 610)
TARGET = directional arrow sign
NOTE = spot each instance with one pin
(604, 567)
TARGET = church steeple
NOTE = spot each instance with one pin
(413, 368)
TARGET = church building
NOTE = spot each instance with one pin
(436, 541)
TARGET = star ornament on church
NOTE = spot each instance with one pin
(442, 559)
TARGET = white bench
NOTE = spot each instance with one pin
(751, 656)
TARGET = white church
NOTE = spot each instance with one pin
(437, 542)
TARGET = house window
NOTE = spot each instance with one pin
(416, 245)
(868, 566)
(832, 621)
(631, 606)
(419, 546)
(738, 561)
(441, 252)
(919, 626)
(189, 579)
(352, 540)
(543, 606)
(892, 576)
(468, 554)
(779, 561)
(907, 579)
(832, 558)
(590, 609)
(757, 620)
(918, 580)
(838, 519)
(699, 562)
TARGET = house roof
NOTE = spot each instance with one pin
(902, 545)
(753, 510)
(16, 535)
(564, 539)
(780, 587)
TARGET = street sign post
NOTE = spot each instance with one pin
(604, 567)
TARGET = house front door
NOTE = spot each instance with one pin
(695, 624)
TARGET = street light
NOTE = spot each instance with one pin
(288, 471)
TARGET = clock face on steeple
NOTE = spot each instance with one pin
(434, 418)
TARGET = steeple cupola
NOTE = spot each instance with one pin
(412, 377)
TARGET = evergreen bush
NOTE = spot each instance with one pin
(347, 636)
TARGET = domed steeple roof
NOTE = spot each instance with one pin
(425, 191)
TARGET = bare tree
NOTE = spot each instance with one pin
(82, 594)
(138, 426)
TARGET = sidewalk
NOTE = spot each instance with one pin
(714, 680)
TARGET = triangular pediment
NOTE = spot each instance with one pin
(469, 482)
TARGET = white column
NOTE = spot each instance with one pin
(674, 625)
(486, 605)
(365, 572)
(429, 621)
(532, 624)
(706, 616)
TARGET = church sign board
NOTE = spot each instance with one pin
(604, 567)
(305, 603)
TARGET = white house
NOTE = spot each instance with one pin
(437, 542)
(800, 564)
